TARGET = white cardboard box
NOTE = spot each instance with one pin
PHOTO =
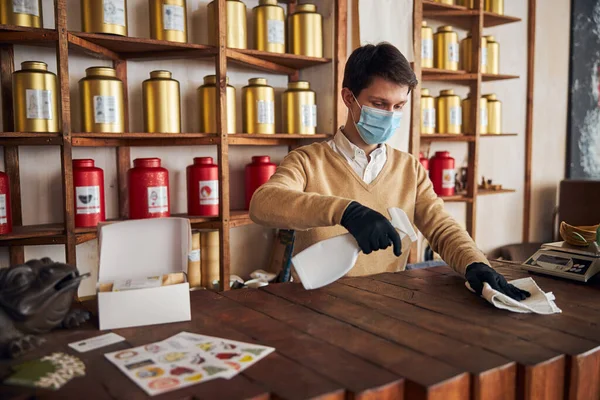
(142, 248)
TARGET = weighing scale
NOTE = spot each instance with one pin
(566, 261)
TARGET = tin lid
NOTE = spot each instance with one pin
(447, 92)
(37, 65)
(299, 85)
(444, 154)
(261, 159)
(257, 81)
(203, 160)
(146, 162)
(306, 8)
(267, 3)
(83, 163)
(101, 71)
(212, 80)
(424, 92)
(445, 28)
(161, 74)
(490, 38)
(421, 154)
(423, 23)
(491, 97)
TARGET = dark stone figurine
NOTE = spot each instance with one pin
(36, 297)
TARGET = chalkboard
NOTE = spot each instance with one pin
(583, 143)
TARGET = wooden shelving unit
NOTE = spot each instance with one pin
(473, 20)
(123, 49)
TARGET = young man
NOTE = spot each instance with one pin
(348, 183)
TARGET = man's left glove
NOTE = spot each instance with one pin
(478, 273)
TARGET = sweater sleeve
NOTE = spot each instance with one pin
(445, 235)
(283, 203)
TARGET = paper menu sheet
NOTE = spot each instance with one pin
(184, 360)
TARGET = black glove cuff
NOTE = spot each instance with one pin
(353, 211)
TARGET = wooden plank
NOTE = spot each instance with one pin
(92, 48)
(446, 137)
(492, 376)
(340, 50)
(452, 300)
(62, 61)
(42, 140)
(223, 153)
(123, 152)
(415, 115)
(422, 373)
(11, 153)
(293, 61)
(492, 19)
(531, 16)
(361, 379)
(258, 63)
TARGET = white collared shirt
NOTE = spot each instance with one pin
(358, 159)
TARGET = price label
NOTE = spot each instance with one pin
(105, 109)
(275, 31)
(39, 104)
(30, 7)
(266, 112)
(114, 12)
(173, 17)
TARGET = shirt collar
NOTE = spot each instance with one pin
(351, 150)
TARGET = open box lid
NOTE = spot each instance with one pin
(143, 247)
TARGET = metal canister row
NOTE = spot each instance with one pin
(35, 102)
(448, 114)
(442, 50)
(495, 6)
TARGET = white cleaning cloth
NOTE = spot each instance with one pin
(539, 302)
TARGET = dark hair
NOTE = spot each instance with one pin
(383, 60)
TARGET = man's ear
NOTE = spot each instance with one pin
(348, 97)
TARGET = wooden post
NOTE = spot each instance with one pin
(414, 142)
(341, 53)
(123, 152)
(475, 95)
(531, 14)
(11, 153)
(223, 156)
(62, 61)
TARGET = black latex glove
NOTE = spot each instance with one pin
(478, 273)
(371, 230)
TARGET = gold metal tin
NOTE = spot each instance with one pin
(28, 13)
(101, 99)
(428, 123)
(236, 24)
(493, 55)
(495, 6)
(35, 98)
(207, 99)
(104, 16)
(299, 109)
(306, 31)
(450, 2)
(483, 115)
(269, 26)
(448, 112)
(446, 49)
(466, 54)
(466, 3)
(426, 46)
(161, 99)
(494, 114)
(258, 107)
(168, 20)
(209, 259)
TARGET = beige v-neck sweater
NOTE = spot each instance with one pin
(313, 186)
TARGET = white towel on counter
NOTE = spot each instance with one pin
(539, 302)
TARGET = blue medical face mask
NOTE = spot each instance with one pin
(376, 126)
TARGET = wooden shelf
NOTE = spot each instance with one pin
(486, 192)
(497, 77)
(30, 139)
(463, 137)
(239, 218)
(143, 139)
(431, 6)
(34, 234)
(492, 19)
(459, 77)
(131, 48)
(262, 59)
(28, 36)
(497, 135)
(279, 139)
(457, 198)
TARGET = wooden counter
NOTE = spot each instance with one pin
(414, 335)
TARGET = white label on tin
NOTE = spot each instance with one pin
(455, 116)
(209, 193)
(3, 213)
(158, 199)
(429, 118)
(427, 49)
(484, 56)
(114, 12)
(31, 7)
(266, 112)
(87, 199)
(448, 178)
(105, 109)
(309, 115)
(453, 52)
(275, 31)
(194, 256)
(173, 17)
(39, 104)
(484, 117)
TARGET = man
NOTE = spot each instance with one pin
(348, 184)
